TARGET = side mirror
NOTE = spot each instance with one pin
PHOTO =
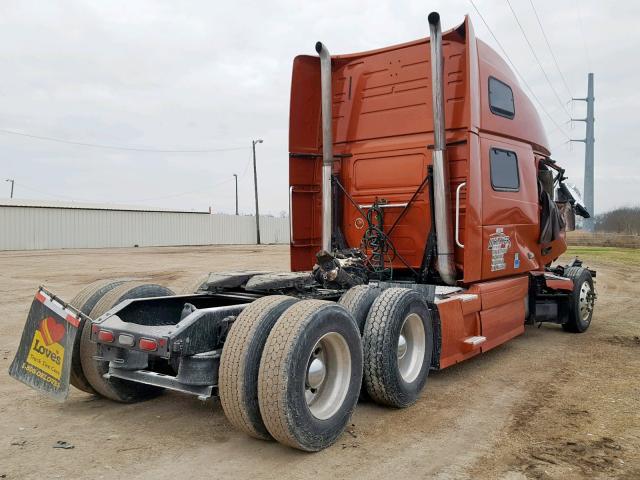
(568, 215)
(568, 192)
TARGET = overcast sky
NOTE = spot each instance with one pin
(194, 75)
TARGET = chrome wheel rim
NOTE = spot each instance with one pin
(411, 347)
(585, 301)
(327, 376)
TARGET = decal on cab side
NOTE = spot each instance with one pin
(499, 244)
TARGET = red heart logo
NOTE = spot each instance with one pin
(51, 331)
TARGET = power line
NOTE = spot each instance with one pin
(555, 92)
(546, 39)
(116, 147)
(515, 69)
(246, 167)
(584, 41)
(558, 145)
(555, 129)
(205, 189)
(47, 194)
(75, 199)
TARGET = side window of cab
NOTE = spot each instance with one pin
(505, 175)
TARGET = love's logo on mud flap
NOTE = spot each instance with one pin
(46, 353)
(51, 331)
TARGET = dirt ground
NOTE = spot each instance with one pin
(548, 404)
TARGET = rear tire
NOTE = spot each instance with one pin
(310, 375)
(84, 301)
(358, 301)
(398, 346)
(240, 363)
(114, 388)
(582, 300)
(194, 285)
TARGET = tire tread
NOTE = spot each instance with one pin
(376, 338)
(237, 351)
(273, 377)
(119, 391)
(358, 301)
(193, 285)
(574, 274)
(84, 301)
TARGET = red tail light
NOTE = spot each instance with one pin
(148, 345)
(105, 336)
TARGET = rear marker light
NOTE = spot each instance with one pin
(105, 336)
(148, 345)
(126, 340)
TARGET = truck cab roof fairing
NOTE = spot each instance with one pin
(305, 130)
(525, 124)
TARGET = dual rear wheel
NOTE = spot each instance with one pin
(84, 301)
(292, 370)
(87, 373)
(398, 345)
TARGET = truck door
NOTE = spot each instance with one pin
(509, 207)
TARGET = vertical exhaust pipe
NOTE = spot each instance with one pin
(442, 198)
(327, 143)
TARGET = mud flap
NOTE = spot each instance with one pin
(43, 359)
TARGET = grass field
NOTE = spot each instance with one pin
(603, 239)
(628, 256)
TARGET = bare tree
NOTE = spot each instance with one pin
(621, 220)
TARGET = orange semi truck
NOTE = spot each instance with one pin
(426, 216)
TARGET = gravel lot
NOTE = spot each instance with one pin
(546, 405)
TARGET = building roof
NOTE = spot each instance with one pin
(19, 202)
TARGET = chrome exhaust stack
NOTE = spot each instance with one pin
(327, 143)
(442, 198)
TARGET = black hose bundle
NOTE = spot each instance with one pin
(378, 243)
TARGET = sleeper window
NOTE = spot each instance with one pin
(504, 170)
(501, 98)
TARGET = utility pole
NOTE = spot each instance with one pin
(236, 177)
(12, 182)
(255, 186)
(588, 141)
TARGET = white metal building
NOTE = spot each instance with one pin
(36, 225)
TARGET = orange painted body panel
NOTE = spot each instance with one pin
(383, 126)
(503, 309)
(493, 309)
(382, 122)
(460, 319)
(383, 130)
